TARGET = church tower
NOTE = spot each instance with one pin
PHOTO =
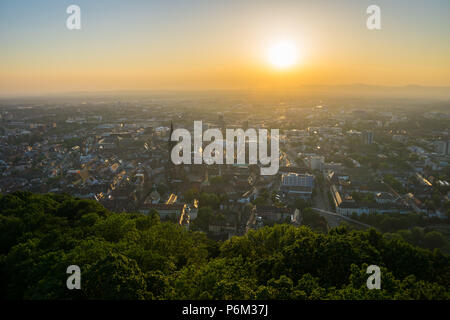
(170, 142)
(175, 173)
(170, 145)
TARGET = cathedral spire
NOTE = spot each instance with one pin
(170, 143)
(169, 166)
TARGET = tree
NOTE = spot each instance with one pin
(136, 256)
(434, 240)
(314, 220)
(115, 278)
(204, 218)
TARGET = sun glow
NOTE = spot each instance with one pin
(283, 55)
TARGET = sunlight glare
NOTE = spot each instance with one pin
(283, 55)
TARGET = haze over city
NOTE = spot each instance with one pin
(203, 151)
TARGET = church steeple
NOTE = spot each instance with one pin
(170, 145)
(170, 142)
(175, 173)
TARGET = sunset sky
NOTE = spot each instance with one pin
(218, 44)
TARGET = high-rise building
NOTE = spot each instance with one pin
(368, 137)
(441, 147)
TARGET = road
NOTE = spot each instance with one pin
(339, 219)
(321, 199)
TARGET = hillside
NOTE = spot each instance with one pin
(132, 256)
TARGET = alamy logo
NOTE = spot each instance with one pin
(374, 20)
(374, 280)
(214, 153)
(74, 280)
(73, 22)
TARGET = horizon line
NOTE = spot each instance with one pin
(199, 90)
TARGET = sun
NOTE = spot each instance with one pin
(283, 54)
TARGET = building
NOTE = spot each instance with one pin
(384, 197)
(175, 210)
(272, 213)
(297, 179)
(193, 210)
(441, 147)
(399, 138)
(384, 203)
(297, 185)
(316, 162)
(368, 137)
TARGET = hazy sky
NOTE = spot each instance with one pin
(219, 44)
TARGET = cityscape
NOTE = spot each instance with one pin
(344, 162)
(204, 152)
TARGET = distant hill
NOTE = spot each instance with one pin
(353, 90)
(362, 90)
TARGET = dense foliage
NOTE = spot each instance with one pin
(412, 227)
(133, 256)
